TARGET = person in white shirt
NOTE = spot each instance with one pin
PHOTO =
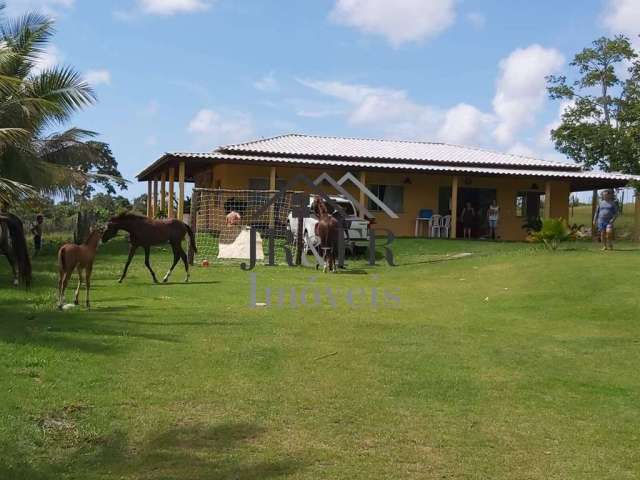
(493, 214)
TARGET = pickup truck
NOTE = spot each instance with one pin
(356, 234)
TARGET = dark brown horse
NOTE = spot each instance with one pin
(14, 246)
(145, 232)
(327, 230)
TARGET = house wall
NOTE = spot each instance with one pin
(421, 190)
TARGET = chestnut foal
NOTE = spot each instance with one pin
(72, 256)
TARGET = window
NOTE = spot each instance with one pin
(521, 204)
(391, 195)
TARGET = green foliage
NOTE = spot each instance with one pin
(33, 102)
(554, 231)
(601, 122)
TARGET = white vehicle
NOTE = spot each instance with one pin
(356, 232)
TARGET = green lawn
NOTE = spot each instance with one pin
(510, 363)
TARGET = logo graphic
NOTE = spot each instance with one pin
(300, 210)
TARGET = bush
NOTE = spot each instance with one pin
(554, 231)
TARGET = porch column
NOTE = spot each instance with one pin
(547, 200)
(594, 207)
(454, 208)
(154, 204)
(272, 186)
(170, 206)
(636, 236)
(363, 197)
(149, 198)
(163, 193)
(181, 191)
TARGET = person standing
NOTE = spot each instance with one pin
(493, 215)
(604, 218)
(467, 216)
(36, 230)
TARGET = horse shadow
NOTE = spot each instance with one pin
(186, 451)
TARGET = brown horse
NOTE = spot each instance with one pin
(72, 256)
(145, 232)
(327, 230)
(13, 245)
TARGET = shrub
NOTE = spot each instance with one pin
(553, 232)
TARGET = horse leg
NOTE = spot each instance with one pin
(76, 299)
(63, 286)
(185, 260)
(12, 263)
(147, 251)
(87, 281)
(132, 252)
(176, 258)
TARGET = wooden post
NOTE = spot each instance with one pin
(213, 176)
(272, 186)
(594, 207)
(154, 203)
(636, 229)
(363, 197)
(170, 206)
(547, 200)
(181, 191)
(454, 208)
(163, 193)
(149, 198)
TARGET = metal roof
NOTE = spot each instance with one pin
(310, 146)
(396, 166)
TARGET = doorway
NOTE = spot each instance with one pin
(480, 199)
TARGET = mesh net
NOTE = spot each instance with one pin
(222, 218)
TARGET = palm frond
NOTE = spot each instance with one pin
(64, 87)
(12, 192)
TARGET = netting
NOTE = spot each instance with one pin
(222, 220)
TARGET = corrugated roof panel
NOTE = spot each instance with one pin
(356, 164)
(354, 148)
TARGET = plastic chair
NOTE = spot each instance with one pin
(435, 225)
(445, 225)
(424, 215)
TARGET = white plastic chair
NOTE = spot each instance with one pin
(445, 224)
(435, 225)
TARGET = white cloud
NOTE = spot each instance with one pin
(98, 77)
(50, 57)
(268, 83)
(520, 148)
(544, 137)
(213, 129)
(623, 16)
(172, 7)
(399, 21)
(398, 116)
(465, 124)
(521, 88)
(477, 20)
(48, 7)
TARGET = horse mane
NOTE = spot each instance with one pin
(93, 233)
(128, 216)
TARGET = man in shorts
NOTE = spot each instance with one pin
(37, 234)
(605, 216)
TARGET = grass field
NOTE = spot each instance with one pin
(624, 224)
(510, 363)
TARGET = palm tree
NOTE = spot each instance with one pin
(32, 102)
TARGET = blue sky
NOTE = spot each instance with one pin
(194, 74)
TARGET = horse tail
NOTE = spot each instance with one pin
(61, 261)
(192, 240)
(20, 249)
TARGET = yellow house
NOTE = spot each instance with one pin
(410, 177)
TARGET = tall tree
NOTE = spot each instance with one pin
(32, 102)
(599, 125)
